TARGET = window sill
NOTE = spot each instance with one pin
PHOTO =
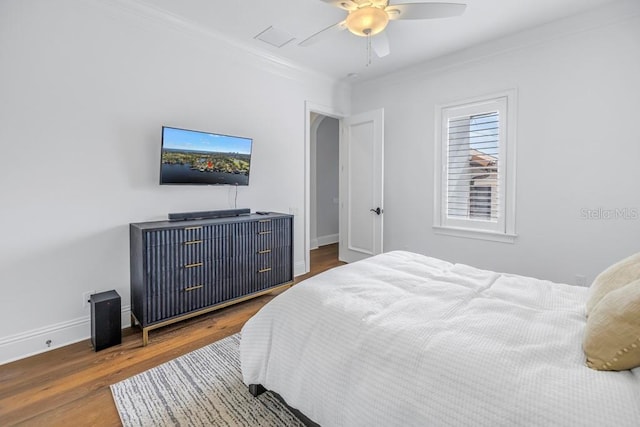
(475, 234)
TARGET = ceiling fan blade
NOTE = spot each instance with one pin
(425, 10)
(380, 44)
(322, 34)
(342, 4)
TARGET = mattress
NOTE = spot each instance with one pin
(401, 339)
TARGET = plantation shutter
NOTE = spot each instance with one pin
(473, 167)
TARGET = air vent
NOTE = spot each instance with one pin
(274, 37)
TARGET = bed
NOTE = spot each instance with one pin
(401, 339)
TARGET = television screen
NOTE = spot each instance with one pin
(193, 157)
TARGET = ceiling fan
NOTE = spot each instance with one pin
(367, 18)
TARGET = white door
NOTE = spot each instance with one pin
(361, 185)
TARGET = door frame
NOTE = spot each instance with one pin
(310, 107)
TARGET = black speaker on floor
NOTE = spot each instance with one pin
(106, 321)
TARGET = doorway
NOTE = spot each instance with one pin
(360, 174)
(324, 188)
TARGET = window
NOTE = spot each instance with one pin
(475, 168)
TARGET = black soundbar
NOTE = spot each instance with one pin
(208, 214)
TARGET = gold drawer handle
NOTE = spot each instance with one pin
(264, 232)
(264, 220)
(193, 228)
(197, 264)
(193, 288)
(264, 270)
(266, 251)
(193, 242)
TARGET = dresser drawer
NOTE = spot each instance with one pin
(271, 239)
(276, 257)
(273, 224)
(178, 302)
(162, 281)
(187, 235)
(267, 277)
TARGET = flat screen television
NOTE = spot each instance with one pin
(204, 158)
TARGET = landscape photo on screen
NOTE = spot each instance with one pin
(192, 157)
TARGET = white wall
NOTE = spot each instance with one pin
(578, 146)
(85, 86)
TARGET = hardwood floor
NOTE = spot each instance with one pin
(70, 385)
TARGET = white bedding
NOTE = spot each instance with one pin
(401, 339)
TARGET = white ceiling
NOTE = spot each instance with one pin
(344, 53)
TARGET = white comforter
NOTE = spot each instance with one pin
(401, 339)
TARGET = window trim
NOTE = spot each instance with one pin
(466, 228)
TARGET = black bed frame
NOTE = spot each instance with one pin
(257, 389)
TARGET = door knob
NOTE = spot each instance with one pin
(377, 210)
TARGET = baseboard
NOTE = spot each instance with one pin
(327, 240)
(30, 343)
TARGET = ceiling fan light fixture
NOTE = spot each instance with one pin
(367, 21)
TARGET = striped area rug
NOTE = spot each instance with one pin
(201, 388)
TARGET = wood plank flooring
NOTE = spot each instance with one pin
(69, 386)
